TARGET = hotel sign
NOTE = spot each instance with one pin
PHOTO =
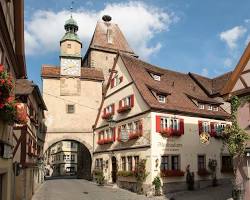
(124, 136)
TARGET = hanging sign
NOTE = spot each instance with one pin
(204, 138)
(124, 136)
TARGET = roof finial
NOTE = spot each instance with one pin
(71, 8)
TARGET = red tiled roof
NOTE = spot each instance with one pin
(176, 84)
(50, 71)
(211, 86)
(99, 40)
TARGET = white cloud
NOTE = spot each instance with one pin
(228, 62)
(204, 72)
(138, 21)
(231, 36)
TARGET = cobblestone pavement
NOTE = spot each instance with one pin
(77, 189)
(221, 192)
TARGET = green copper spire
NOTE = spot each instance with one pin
(71, 28)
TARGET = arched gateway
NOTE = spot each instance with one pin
(68, 156)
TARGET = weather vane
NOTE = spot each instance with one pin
(71, 8)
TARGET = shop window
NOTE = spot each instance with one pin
(175, 162)
(136, 161)
(123, 163)
(130, 165)
(226, 163)
(164, 163)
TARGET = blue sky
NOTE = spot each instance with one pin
(205, 37)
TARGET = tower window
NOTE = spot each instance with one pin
(69, 46)
(70, 108)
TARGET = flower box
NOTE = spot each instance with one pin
(172, 173)
(203, 172)
(135, 135)
(124, 109)
(125, 173)
(105, 141)
(168, 132)
(107, 115)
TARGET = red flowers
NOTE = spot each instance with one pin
(1, 68)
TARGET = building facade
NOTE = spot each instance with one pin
(28, 140)
(63, 157)
(12, 60)
(164, 117)
(239, 85)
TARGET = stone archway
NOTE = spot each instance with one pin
(84, 155)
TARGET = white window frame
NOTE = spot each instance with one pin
(161, 98)
(156, 77)
(215, 108)
(209, 107)
(201, 106)
(206, 126)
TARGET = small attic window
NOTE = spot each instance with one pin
(201, 106)
(156, 77)
(69, 46)
(161, 98)
(215, 108)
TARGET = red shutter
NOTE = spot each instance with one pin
(113, 109)
(181, 126)
(114, 134)
(120, 104)
(112, 82)
(132, 100)
(200, 127)
(121, 79)
(212, 133)
(141, 128)
(158, 124)
(119, 133)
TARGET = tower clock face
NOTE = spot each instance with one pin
(70, 67)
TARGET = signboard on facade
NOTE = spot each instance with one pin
(204, 138)
(124, 136)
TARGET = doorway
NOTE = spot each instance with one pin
(114, 169)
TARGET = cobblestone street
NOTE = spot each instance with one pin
(76, 189)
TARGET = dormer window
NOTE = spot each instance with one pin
(216, 108)
(161, 98)
(209, 107)
(201, 106)
(156, 77)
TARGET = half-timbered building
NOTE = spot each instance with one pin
(165, 117)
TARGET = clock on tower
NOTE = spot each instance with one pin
(70, 50)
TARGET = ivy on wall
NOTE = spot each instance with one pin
(235, 138)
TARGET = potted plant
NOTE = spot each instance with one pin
(157, 184)
(99, 178)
